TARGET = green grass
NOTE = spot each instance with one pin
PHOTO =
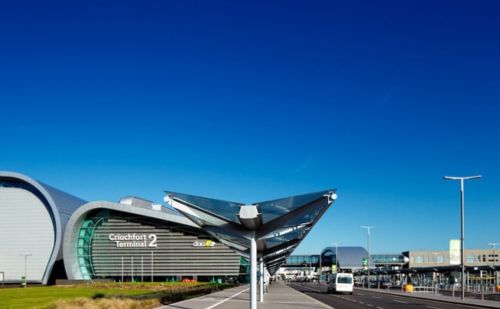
(41, 297)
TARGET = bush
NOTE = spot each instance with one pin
(105, 303)
(98, 295)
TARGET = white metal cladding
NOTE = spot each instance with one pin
(173, 251)
(167, 216)
(26, 228)
(58, 204)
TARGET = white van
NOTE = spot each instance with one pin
(341, 283)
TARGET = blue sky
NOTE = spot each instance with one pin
(250, 101)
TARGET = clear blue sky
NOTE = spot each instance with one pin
(254, 100)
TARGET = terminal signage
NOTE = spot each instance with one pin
(133, 240)
(203, 243)
(455, 251)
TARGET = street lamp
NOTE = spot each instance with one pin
(462, 262)
(493, 245)
(336, 255)
(368, 229)
(26, 268)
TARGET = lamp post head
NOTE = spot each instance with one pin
(462, 178)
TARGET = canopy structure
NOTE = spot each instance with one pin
(268, 230)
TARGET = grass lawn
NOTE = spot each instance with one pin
(41, 297)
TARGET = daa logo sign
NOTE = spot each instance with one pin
(203, 243)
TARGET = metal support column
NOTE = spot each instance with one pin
(462, 219)
(253, 273)
(261, 297)
(462, 260)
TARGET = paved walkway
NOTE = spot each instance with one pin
(279, 296)
(439, 297)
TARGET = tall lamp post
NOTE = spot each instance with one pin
(462, 262)
(336, 244)
(26, 268)
(368, 229)
(493, 245)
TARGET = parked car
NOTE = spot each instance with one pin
(386, 284)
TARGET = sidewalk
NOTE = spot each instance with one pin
(438, 297)
(279, 296)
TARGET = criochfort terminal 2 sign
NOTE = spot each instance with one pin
(203, 243)
(133, 240)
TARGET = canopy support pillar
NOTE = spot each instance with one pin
(253, 273)
(261, 296)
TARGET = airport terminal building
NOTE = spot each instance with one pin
(135, 240)
(48, 234)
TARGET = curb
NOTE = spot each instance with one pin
(446, 301)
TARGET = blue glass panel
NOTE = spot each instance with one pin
(226, 209)
(275, 208)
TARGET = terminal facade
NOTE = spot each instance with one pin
(48, 234)
(423, 267)
(135, 240)
(34, 216)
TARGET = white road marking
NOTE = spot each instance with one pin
(400, 301)
(360, 294)
(378, 307)
(226, 299)
(378, 297)
(433, 307)
(369, 305)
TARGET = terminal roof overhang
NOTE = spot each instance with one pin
(278, 226)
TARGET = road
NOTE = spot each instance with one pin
(369, 300)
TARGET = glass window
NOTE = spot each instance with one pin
(419, 259)
(344, 280)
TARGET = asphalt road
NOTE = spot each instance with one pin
(369, 300)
